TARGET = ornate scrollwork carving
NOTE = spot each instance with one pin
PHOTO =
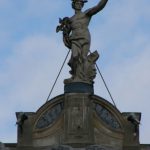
(49, 116)
(107, 117)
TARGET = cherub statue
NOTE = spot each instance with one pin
(78, 37)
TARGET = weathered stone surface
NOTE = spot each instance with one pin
(76, 36)
(145, 147)
(107, 116)
(48, 118)
(79, 87)
(8, 146)
(77, 120)
(78, 116)
(2, 146)
(99, 147)
(104, 131)
(51, 116)
(131, 139)
(24, 136)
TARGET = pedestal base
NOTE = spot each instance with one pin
(79, 87)
(79, 131)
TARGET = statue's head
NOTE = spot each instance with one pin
(78, 4)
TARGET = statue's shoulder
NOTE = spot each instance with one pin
(71, 18)
(86, 11)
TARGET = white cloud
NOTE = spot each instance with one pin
(30, 74)
(31, 65)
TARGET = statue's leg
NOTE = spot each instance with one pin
(75, 58)
(76, 49)
(85, 52)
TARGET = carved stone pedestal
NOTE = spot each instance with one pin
(77, 120)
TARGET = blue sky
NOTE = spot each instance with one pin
(31, 54)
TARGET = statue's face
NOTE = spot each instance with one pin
(77, 5)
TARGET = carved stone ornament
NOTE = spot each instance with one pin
(107, 117)
(49, 116)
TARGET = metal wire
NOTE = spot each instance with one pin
(106, 85)
(57, 77)
(98, 71)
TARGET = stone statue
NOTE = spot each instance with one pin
(20, 120)
(76, 36)
(135, 121)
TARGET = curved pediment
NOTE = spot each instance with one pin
(108, 124)
(49, 120)
(107, 114)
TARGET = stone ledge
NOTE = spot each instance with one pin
(144, 146)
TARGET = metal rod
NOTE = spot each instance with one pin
(106, 85)
(57, 76)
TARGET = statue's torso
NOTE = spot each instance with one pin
(80, 20)
(79, 26)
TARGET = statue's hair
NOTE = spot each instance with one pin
(84, 1)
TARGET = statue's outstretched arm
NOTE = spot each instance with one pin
(97, 8)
